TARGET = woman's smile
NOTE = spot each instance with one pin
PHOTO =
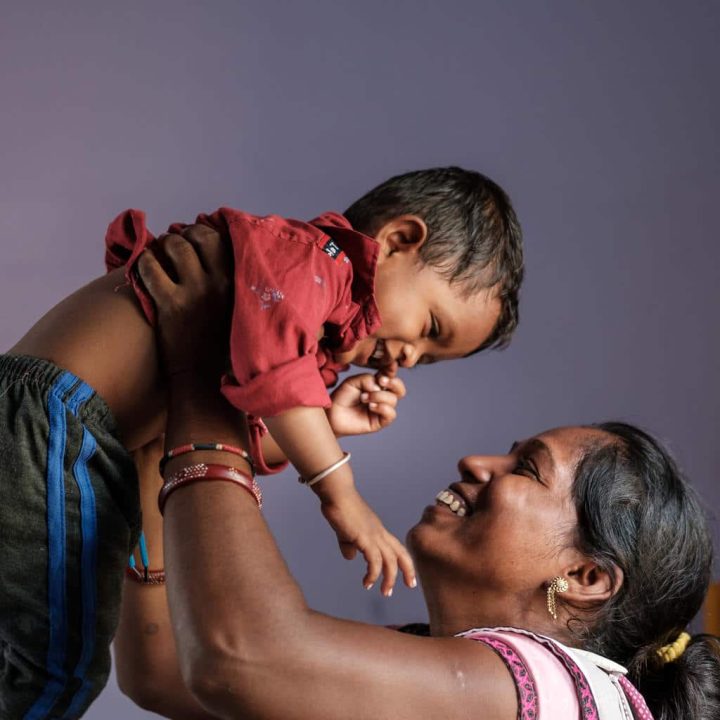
(455, 502)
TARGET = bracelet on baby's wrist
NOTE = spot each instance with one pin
(328, 471)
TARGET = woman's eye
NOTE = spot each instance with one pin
(434, 327)
(526, 467)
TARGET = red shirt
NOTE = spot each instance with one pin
(292, 280)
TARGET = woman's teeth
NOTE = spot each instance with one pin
(455, 503)
(379, 353)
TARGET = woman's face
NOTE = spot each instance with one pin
(509, 520)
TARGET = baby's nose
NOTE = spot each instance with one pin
(408, 356)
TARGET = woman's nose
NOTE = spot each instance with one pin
(482, 468)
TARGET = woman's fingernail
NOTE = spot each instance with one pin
(389, 593)
(368, 586)
(413, 583)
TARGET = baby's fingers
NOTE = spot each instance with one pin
(347, 549)
(390, 570)
(405, 562)
(374, 560)
(385, 413)
(380, 397)
(391, 383)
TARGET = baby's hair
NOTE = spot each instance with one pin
(474, 237)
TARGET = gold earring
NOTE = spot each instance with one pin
(558, 585)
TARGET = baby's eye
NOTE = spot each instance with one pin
(434, 327)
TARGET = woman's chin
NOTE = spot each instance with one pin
(416, 539)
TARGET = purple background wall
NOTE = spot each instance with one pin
(600, 119)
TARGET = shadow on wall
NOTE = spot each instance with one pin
(711, 610)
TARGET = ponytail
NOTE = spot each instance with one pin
(687, 688)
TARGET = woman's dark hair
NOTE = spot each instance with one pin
(474, 237)
(637, 513)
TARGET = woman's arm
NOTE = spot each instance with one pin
(248, 644)
(146, 660)
(250, 647)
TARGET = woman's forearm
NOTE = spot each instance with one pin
(231, 595)
(146, 660)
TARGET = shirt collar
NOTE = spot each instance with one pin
(363, 252)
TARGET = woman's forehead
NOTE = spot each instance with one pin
(565, 446)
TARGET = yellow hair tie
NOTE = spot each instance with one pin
(670, 653)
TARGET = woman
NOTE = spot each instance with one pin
(585, 542)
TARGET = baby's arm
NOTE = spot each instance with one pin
(362, 404)
(356, 525)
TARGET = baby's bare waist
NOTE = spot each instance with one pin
(100, 334)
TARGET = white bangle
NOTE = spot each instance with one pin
(324, 473)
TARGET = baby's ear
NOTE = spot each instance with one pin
(405, 233)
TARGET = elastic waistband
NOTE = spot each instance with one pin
(44, 376)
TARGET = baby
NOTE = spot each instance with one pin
(425, 267)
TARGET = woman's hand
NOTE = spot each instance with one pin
(194, 310)
(365, 403)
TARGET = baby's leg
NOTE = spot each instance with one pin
(69, 514)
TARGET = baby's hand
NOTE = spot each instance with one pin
(365, 403)
(358, 528)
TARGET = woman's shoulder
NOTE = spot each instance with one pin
(555, 680)
(545, 687)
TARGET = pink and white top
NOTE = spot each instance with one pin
(555, 682)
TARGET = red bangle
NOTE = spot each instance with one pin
(147, 577)
(201, 471)
(193, 447)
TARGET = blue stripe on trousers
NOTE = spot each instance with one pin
(57, 611)
(88, 565)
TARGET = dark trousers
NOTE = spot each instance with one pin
(69, 517)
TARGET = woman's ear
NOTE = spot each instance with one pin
(589, 583)
(405, 233)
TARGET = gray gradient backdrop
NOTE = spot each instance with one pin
(600, 119)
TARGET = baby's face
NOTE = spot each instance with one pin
(424, 318)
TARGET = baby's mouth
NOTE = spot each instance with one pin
(378, 354)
